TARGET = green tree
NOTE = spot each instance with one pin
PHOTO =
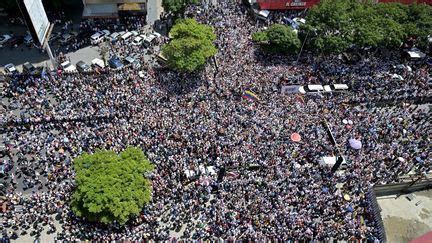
(177, 6)
(260, 37)
(339, 24)
(190, 47)
(332, 25)
(419, 23)
(283, 38)
(393, 33)
(395, 11)
(366, 26)
(111, 187)
(278, 39)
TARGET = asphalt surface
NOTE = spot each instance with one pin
(21, 54)
(38, 57)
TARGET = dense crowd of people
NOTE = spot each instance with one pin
(269, 187)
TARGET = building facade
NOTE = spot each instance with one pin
(113, 8)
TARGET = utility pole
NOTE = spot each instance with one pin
(301, 49)
(51, 56)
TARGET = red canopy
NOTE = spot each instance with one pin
(426, 238)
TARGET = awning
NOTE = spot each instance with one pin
(100, 11)
(132, 7)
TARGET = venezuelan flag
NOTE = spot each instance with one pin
(249, 95)
(300, 99)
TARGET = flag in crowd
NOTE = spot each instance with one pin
(249, 95)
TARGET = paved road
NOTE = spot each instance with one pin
(38, 58)
(34, 55)
(86, 54)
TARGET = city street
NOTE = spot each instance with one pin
(36, 56)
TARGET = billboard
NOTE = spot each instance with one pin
(286, 4)
(303, 4)
(36, 19)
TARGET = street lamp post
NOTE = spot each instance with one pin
(304, 42)
(301, 49)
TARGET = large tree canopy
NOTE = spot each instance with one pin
(278, 39)
(190, 47)
(330, 26)
(335, 25)
(111, 187)
(177, 6)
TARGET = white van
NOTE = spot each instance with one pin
(126, 35)
(97, 37)
(98, 63)
(68, 67)
(137, 41)
(148, 41)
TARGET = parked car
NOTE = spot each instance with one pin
(290, 22)
(16, 41)
(132, 61)
(335, 88)
(263, 14)
(66, 38)
(97, 37)
(84, 35)
(68, 67)
(115, 63)
(28, 40)
(126, 35)
(10, 69)
(148, 41)
(156, 34)
(54, 36)
(4, 39)
(28, 68)
(135, 33)
(106, 32)
(98, 63)
(83, 67)
(312, 88)
(137, 41)
(129, 60)
(114, 36)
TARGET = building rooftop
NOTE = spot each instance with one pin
(406, 217)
